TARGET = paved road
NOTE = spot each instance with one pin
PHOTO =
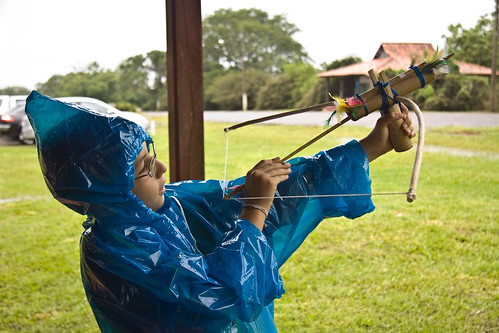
(432, 119)
(8, 142)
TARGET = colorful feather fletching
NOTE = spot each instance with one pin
(341, 107)
(437, 63)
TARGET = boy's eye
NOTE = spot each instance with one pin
(145, 166)
(144, 169)
(141, 168)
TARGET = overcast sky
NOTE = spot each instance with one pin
(42, 38)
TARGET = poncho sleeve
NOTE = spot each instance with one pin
(235, 280)
(302, 202)
(316, 186)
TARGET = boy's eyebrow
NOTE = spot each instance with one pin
(140, 159)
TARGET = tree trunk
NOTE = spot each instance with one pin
(494, 60)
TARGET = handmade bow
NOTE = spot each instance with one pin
(384, 96)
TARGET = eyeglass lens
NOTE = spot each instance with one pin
(152, 164)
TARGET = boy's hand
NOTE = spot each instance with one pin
(261, 182)
(378, 142)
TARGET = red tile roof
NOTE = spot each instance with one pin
(405, 54)
(360, 68)
(472, 69)
(399, 56)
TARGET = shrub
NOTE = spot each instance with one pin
(454, 92)
(276, 94)
(127, 106)
(225, 92)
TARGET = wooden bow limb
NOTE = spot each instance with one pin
(403, 84)
(294, 152)
(372, 100)
(411, 194)
(316, 107)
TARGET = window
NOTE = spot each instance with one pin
(95, 107)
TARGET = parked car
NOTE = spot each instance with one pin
(102, 107)
(11, 123)
(4, 103)
(8, 102)
(26, 134)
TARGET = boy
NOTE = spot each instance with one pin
(177, 257)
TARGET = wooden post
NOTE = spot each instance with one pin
(342, 86)
(185, 89)
(328, 89)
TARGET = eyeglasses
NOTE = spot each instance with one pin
(152, 163)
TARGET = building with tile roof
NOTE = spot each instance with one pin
(395, 56)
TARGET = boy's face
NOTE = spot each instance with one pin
(149, 189)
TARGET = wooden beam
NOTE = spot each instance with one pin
(185, 89)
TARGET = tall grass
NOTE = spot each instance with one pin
(429, 266)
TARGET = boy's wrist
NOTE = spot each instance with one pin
(256, 214)
(257, 207)
(373, 149)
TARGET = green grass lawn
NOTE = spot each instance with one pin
(429, 266)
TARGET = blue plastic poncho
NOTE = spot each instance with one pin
(192, 266)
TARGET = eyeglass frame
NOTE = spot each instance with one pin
(152, 163)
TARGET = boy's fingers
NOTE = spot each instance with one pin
(274, 169)
(406, 125)
(267, 162)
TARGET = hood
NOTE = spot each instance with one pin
(86, 157)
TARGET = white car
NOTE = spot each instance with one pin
(27, 134)
(8, 102)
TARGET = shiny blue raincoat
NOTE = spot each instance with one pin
(192, 266)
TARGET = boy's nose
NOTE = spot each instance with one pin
(160, 168)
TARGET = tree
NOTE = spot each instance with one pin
(350, 60)
(251, 38)
(314, 95)
(276, 94)
(53, 86)
(93, 81)
(454, 92)
(495, 33)
(476, 45)
(139, 80)
(14, 91)
(211, 71)
(472, 45)
(288, 88)
(142, 80)
(156, 64)
(225, 92)
(133, 82)
(302, 75)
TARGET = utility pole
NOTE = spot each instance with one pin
(494, 60)
(243, 72)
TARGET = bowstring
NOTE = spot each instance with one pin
(321, 195)
(224, 189)
(225, 186)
